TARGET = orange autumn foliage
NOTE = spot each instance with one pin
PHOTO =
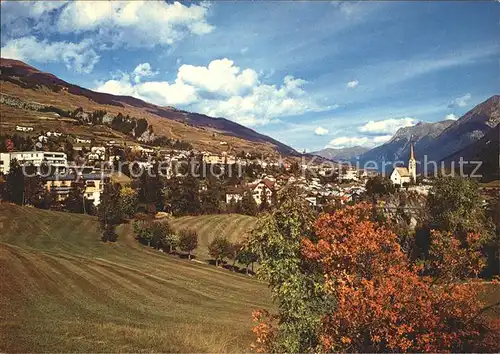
(383, 304)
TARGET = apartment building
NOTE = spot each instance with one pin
(57, 159)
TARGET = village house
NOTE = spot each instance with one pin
(258, 188)
(350, 174)
(234, 194)
(93, 185)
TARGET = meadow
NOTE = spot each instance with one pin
(233, 227)
(62, 289)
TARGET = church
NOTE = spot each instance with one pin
(402, 175)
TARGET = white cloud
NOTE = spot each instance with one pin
(79, 56)
(461, 101)
(349, 141)
(158, 92)
(221, 76)
(135, 23)
(352, 84)
(387, 126)
(451, 116)
(244, 50)
(320, 131)
(263, 103)
(143, 70)
(220, 89)
(346, 141)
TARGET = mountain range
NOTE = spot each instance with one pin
(441, 140)
(33, 88)
(344, 154)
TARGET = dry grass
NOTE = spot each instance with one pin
(64, 290)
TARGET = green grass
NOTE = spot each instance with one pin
(234, 227)
(61, 289)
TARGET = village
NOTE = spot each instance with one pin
(95, 164)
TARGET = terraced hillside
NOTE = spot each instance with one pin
(234, 227)
(61, 289)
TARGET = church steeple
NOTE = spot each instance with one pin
(412, 164)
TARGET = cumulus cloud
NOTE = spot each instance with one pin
(451, 116)
(352, 84)
(158, 92)
(135, 23)
(110, 24)
(461, 101)
(350, 141)
(219, 89)
(79, 56)
(320, 131)
(143, 70)
(221, 76)
(386, 126)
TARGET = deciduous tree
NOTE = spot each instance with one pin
(381, 301)
(188, 241)
(219, 249)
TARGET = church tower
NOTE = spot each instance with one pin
(412, 164)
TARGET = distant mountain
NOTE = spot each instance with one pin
(345, 154)
(441, 139)
(485, 150)
(423, 135)
(471, 127)
(35, 87)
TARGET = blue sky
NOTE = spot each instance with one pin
(311, 74)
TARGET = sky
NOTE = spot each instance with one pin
(310, 74)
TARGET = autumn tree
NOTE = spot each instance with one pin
(188, 241)
(219, 249)
(380, 300)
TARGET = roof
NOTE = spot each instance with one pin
(235, 190)
(403, 171)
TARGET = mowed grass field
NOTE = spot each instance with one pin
(234, 227)
(62, 289)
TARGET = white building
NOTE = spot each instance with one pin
(59, 160)
(349, 175)
(402, 175)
